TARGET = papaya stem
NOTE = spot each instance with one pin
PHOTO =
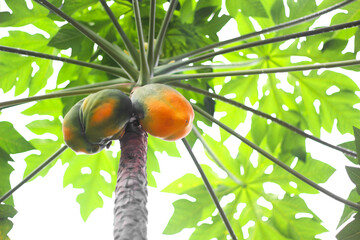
(210, 190)
(130, 213)
(129, 46)
(217, 66)
(112, 70)
(265, 115)
(258, 33)
(277, 161)
(144, 66)
(62, 93)
(150, 52)
(170, 78)
(34, 173)
(163, 29)
(115, 52)
(171, 66)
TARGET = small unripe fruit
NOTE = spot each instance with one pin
(162, 111)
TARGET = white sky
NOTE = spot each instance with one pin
(48, 211)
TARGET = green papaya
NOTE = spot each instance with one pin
(105, 114)
(73, 132)
(93, 122)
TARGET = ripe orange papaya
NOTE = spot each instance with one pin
(73, 132)
(93, 122)
(162, 111)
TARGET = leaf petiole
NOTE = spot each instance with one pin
(112, 70)
(210, 190)
(170, 78)
(129, 46)
(34, 173)
(66, 93)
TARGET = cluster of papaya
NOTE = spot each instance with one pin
(101, 117)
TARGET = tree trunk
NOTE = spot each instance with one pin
(130, 211)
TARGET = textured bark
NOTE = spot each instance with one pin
(131, 188)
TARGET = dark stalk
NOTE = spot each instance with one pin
(112, 50)
(276, 161)
(210, 190)
(34, 173)
(112, 70)
(62, 93)
(150, 52)
(144, 66)
(258, 33)
(170, 78)
(129, 46)
(122, 84)
(267, 116)
(161, 36)
(217, 66)
(171, 66)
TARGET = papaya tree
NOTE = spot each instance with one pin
(148, 73)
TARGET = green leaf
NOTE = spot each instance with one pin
(46, 146)
(6, 212)
(354, 175)
(348, 212)
(350, 231)
(351, 146)
(45, 107)
(357, 142)
(5, 171)
(11, 141)
(187, 213)
(281, 224)
(19, 71)
(68, 37)
(70, 7)
(94, 174)
(184, 184)
(186, 11)
(310, 169)
(22, 15)
(248, 8)
(158, 145)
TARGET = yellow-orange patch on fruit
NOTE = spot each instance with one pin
(68, 134)
(102, 112)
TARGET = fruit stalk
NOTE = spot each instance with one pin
(131, 187)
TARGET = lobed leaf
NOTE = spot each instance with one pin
(6, 212)
(17, 70)
(350, 231)
(94, 174)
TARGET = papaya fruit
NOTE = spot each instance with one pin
(74, 135)
(162, 111)
(96, 120)
(104, 114)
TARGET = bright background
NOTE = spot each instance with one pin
(46, 210)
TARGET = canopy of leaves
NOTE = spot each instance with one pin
(309, 100)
